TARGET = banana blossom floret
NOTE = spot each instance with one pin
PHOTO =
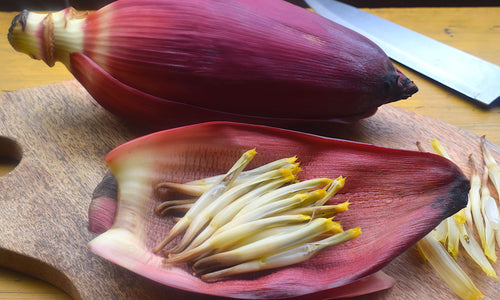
(459, 226)
(452, 225)
(248, 216)
(441, 231)
(489, 210)
(323, 211)
(268, 245)
(475, 201)
(200, 220)
(491, 164)
(287, 257)
(229, 237)
(217, 190)
(475, 251)
(489, 205)
(174, 205)
(447, 268)
(276, 207)
(198, 187)
(227, 213)
(285, 192)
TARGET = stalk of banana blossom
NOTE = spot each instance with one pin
(165, 62)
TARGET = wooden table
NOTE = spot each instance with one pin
(475, 30)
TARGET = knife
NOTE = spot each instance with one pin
(458, 70)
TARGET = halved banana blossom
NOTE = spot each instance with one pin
(160, 63)
(396, 197)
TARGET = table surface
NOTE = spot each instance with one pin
(474, 30)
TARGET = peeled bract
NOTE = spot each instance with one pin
(395, 196)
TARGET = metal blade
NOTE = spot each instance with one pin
(456, 69)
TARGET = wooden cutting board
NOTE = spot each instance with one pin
(64, 136)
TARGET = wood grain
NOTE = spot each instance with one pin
(18, 286)
(64, 135)
(476, 30)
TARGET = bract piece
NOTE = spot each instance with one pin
(396, 197)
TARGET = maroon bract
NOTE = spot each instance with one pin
(396, 196)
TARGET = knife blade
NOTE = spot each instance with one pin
(467, 74)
